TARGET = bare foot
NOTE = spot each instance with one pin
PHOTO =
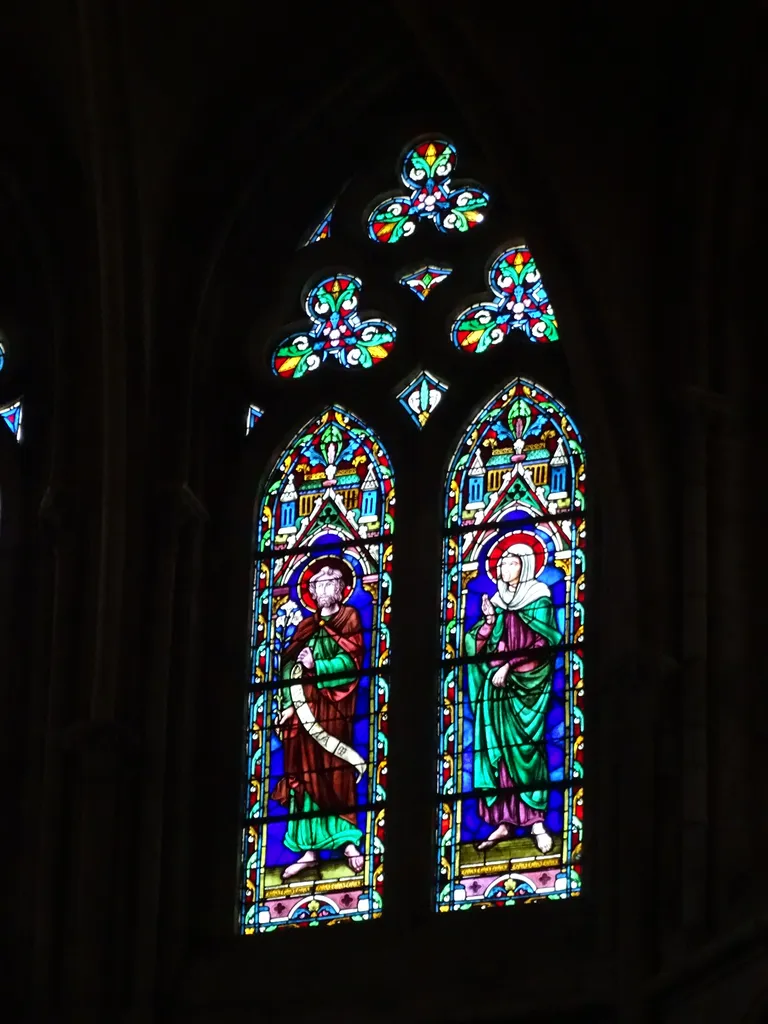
(541, 837)
(305, 861)
(502, 832)
(355, 859)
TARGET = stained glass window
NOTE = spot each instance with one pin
(12, 413)
(11, 416)
(509, 816)
(323, 229)
(520, 302)
(426, 173)
(336, 332)
(424, 280)
(317, 706)
(252, 417)
(509, 743)
(421, 397)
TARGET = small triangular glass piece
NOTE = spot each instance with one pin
(422, 396)
(12, 416)
(323, 229)
(252, 417)
(425, 279)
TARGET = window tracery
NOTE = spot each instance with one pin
(509, 741)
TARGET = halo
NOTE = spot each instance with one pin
(313, 567)
(529, 539)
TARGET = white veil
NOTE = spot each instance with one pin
(527, 589)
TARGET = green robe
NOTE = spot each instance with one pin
(509, 720)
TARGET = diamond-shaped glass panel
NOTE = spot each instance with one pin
(422, 396)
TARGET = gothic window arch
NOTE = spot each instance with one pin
(317, 707)
(418, 351)
(510, 756)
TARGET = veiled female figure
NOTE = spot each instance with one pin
(509, 693)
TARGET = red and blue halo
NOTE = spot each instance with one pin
(313, 567)
(503, 543)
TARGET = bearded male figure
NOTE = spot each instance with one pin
(509, 694)
(320, 668)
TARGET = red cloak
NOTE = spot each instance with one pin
(309, 768)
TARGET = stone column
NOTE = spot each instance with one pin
(92, 746)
